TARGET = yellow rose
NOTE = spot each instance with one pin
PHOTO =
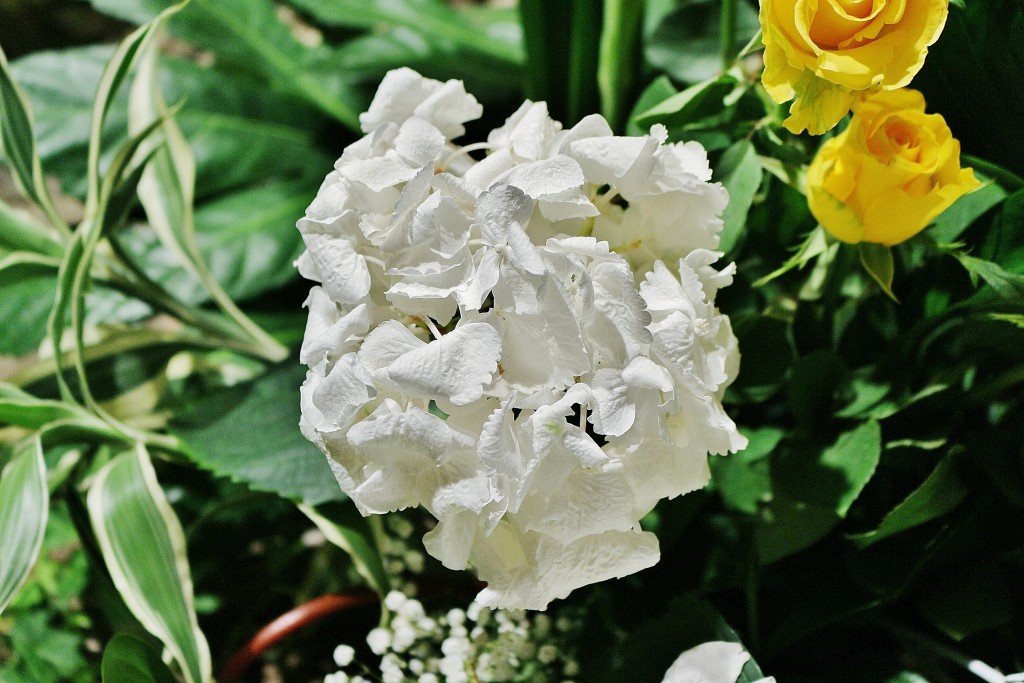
(825, 51)
(889, 174)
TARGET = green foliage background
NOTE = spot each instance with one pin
(872, 531)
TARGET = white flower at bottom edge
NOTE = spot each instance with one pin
(711, 662)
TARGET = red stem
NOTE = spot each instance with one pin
(289, 622)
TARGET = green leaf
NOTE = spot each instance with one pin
(1010, 286)
(816, 244)
(659, 90)
(25, 410)
(248, 238)
(343, 526)
(217, 430)
(620, 57)
(685, 45)
(167, 192)
(546, 37)
(143, 547)
(24, 504)
(1010, 181)
(489, 32)
(834, 476)
(27, 282)
(240, 132)
(128, 659)
(248, 36)
(974, 598)
(952, 222)
(18, 144)
(939, 494)
(581, 84)
(877, 261)
(739, 170)
(743, 479)
(695, 103)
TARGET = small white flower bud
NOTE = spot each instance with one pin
(343, 655)
(379, 640)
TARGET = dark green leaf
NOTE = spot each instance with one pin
(143, 547)
(128, 659)
(218, 429)
(24, 504)
(940, 493)
(739, 170)
(974, 598)
(546, 37)
(685, 44)
(962, 81)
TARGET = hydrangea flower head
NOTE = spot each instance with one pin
(526, 345)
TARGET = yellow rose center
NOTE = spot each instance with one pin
(837, 21)
(903, 139)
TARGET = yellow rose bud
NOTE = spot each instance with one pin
(889, 174)
(825, 51)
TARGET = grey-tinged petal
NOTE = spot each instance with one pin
(410, 439)
(455, 367)
(529, 570)
(712, 662)
(343, 391)
(419, 142)
(329, 332)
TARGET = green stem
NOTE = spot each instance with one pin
(727, 34)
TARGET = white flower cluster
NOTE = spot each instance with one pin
(463, 645)
(526, 345)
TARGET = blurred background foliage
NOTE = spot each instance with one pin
(872, 530)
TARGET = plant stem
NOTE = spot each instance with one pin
(727, 34)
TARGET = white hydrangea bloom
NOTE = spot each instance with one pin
(527, 345)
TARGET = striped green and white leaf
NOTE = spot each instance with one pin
(343, 526)
(24, 506)
(18, 144)
(167, 192)
(143, 546)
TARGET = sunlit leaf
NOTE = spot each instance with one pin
(24, 505)
(143, 547)
(940, 493)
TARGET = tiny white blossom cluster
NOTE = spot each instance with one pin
(460, 646)
(526, 345)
